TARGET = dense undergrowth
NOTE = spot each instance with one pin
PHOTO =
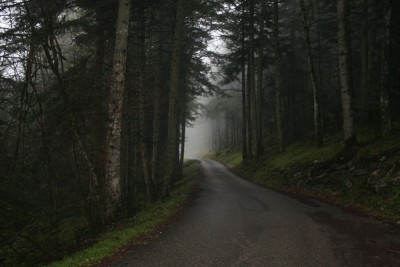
(365, 178)
(143, 223)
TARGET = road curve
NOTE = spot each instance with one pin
(236, 223)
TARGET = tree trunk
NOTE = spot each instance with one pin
(245, 153)
(251, 83)
(318, 135)
(364, 63)
(144, 148)
(130, 140)
(145, 158)
(345, 73)
(114, 127)
(183, 141)
(278, 63)
(155, 172)
(98, 95)
(386, 120)
(177, 170)
(371, 97)
(260, 77)
(248, 113)
(174, 96)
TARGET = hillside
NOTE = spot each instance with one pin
(366, 179)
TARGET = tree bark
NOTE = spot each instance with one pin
(249, 97)
(155, 172)
(174, 96)
(144, 152)
(364, 63)
(114, 124)
(278, 63)
(260, 77)
(386, 120)
(182, 145)
(372, 111)
(99, 95)
(245, 153)
(251, 83)
(346, 86)
(318, 135)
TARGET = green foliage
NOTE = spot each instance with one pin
(71, 231)
(34, 243)
(16, 212)
(231, 157)
(302, 154)
(387, 144)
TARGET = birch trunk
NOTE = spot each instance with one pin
(114, 124)
(345, 73)
(318, 135)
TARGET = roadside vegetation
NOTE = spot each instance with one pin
(366, 179)
(151, 217)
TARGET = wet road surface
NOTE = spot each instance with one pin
(236, 223)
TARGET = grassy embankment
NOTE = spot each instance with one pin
(144, 223)
(366, 179)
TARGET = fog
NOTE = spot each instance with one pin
(198, 136)
(211, 133)
(198, 139)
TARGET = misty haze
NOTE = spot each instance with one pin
(200, 133)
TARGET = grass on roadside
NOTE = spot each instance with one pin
(232, 158)
(140, 225)
(300, 154)
(368, 180)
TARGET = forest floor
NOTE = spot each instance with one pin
(143, 227)
(365, 179)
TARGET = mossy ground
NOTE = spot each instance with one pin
(140, 225)
(367, 178)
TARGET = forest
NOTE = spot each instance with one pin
(304, 70)
(96, 95)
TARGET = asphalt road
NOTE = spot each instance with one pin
(236, 223)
